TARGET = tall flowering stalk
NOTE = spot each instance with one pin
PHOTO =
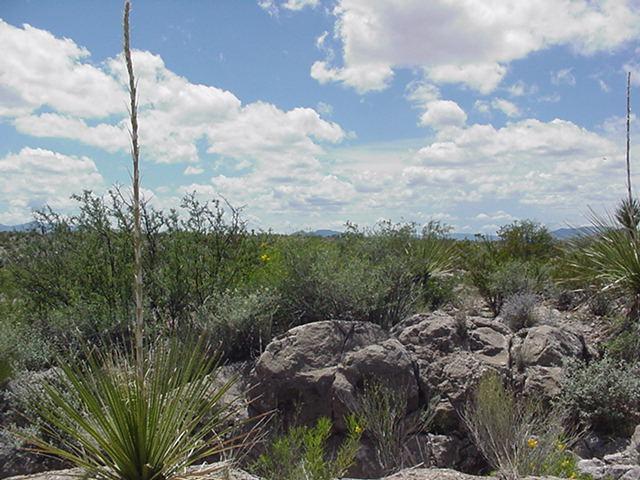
(137, 234)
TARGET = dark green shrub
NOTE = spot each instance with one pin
(526, 240)
(302, 453)
(239, 323)
(624, 344)
(604, 394)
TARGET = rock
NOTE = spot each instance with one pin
(547, 346)
(538, 355)
(450, 362)
(315, 370)
(634, 446)
(594, 467)
(201, 472)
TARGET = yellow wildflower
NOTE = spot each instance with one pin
(532, 442)
(560, 446)
(358, 429)
(265, 258)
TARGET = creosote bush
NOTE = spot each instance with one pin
(302, 453)
(239, 323)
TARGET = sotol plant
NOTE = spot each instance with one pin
(145, 415)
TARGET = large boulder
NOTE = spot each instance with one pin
(452, 354)
(316, 370)
(539, 354)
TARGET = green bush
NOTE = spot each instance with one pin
(380, 276)
(526, 240)
(302, 453)
(624, 344)
(604, 394)
(239, 323)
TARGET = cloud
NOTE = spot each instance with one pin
(272, 7)
(563, 77)
(520, 88)
(505, 106)
(471, 43)
(443, 113)
(40, 71)
(193, 170)
(35, 177)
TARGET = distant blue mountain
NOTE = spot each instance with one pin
(320, 233)
(568, 233)
(23, 227)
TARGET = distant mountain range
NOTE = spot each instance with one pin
(559, 234)
(23, 227)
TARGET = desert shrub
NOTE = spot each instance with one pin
(604, 394)
(23, 346)
(519, 311)
(600, 304)
(378, 275)
(302, 453)
(439, 291)
(526, 240)
(508, 279)
(624, 343)
(515, 436)
(383, 413)
(239, 323)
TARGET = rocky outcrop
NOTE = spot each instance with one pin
(315, 370)
(318, 369)
(622, 465)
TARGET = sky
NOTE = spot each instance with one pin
(312, 113)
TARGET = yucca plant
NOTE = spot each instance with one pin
(143, 413)
(99, 415)
(609, 260)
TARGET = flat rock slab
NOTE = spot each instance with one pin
(409, 474)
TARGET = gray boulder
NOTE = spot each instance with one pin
(316, 369)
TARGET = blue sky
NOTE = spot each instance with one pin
(311, 113)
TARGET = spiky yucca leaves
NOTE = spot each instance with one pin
(100, 416)
(628, 214)
(608, 260)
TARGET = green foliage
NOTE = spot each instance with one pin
(526, 240)
(517, 262)
(301, 454)
(379, 276)
(383, 412)
(608, 262)
(516, 436)
(564, 464)
(240, 323)
(604, 394)
(624, 344)
(99, 415)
